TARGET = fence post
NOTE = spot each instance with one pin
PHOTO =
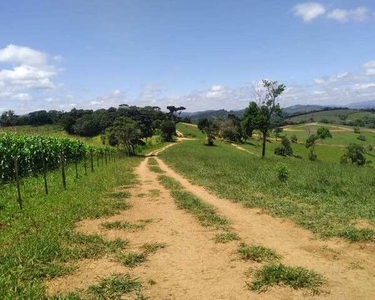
(85, 163)
(45, 173)
(19, 198)
(63, 169)
(92, 160)
(76, 165)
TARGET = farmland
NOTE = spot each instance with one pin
(126, 223)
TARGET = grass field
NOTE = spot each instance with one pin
(327, 199)
(38, 241)
(333, 115)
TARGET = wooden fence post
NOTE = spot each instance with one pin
(19, 198)
(63, 170)
(45, 173)
(92, 160)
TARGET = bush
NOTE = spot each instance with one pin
(325, 121)
(294, 139)
(370, 148)
(356, 130)
(282, 172)
(354, 154)
(280, 150)
(286, 143)
(361, 138)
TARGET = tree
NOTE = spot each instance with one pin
(175, 110)
(269, 112)
(168, 130)
(277, 132)
(248, 119)
(354, 154)
(127, 134)
(209, 128)
(321, 134)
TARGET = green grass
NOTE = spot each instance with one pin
(279, 274)
(256, 253)
(153, 247)
(204, 212)
(133, 259)
(330, 115)
(37, 242)
(156, 169)
(225, 237)
(190, 131)
(126, 225)
(152, 162)
(324, 198)
(169, 183)
(115, 287)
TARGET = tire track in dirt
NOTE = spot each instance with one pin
(192, 266)
(331, 258)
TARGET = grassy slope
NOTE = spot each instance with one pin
(331, 115)
(325, 198)
(190, 131)
(36, 241)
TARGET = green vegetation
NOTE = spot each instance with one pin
(132, 259)
(141, 224)
(152, 248)
(156, 169)
(256, 253)
(37, 242)
(33, 154)
(115, 287)
(204, 212)
(279, 274)
(324, 198)
(190, 131)
(226, 237)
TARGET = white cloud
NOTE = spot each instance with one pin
(309, 10)
(22, 55)
(30, 73)
(338, 15)
(369, 64)
(358, 14)
(216, 91)
(370, 72)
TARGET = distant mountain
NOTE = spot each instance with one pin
(220, 114)
(223, 114)
(299, 108)
(362, 105)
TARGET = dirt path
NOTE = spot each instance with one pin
(192, 266)
(334, 258)
(242, 149)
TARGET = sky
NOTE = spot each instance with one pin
(207, 54)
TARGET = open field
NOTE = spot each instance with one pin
(217, 224)
(333, 115)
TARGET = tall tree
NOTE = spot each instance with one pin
(266, 114)
(209, 128)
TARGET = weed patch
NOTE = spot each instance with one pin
(257, 253)
(279, 274)
(226, 237)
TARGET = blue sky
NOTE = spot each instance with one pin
(200, 54)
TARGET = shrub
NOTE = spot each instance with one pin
(354, 154)
(280, 150)
(282, 172)
(294, 139)
(356, 130)
(325, 121)
(286, 143)
(361, 138)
